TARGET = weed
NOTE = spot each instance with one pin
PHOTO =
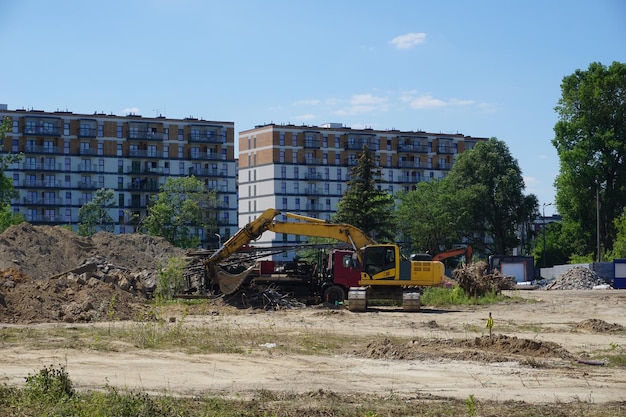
(170, 279)
(49, 385)
(470, 405)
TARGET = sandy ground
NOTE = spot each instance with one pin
(553, 317)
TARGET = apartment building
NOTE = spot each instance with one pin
(304, 169)
(69, 156)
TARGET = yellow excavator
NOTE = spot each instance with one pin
(383, 272)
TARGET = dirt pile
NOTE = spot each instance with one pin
(48, 273)
(577, 278)
(600, 326)
(499, 348)
(45, 251)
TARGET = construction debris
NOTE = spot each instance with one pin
(477, 280)
(576, 278)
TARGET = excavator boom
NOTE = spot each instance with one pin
(306, 226)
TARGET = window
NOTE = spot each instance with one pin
(337, 160)
(337, 142)
(180, 151)
(15, 145)
(281, 157)
(166, 151)
(296, 173)
(296, 187)
(16, 179)
(100, 130)
(181, 168)
(325, 142)
(283, 172)
(119, 131)
(283, 187)
(294, 157)
(297, 204)
(281, 140)
(294, 139)
(16, 126)
(100, 148)
(284, 204)
(66, 129)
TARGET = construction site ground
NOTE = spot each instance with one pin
(532, 356)
(547, 346)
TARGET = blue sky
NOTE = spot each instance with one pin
(481, 68)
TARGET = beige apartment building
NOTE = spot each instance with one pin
(69, 156)
(304, 169)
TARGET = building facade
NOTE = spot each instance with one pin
(68, 157)
(304, 169)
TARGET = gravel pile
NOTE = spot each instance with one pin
(576, 278)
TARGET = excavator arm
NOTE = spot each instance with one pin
(307, 226)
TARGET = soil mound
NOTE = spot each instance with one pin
(599, 326)
(49, 273)
(45, 251)
(498, 348)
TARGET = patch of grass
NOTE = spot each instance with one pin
(440, 296)
(50, 393)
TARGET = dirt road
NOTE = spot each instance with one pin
(532, 357)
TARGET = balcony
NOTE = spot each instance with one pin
(141, 153)
(37, 218)
(145, 170)
(208, 172)
(87, 132)
(409, 180)
(413, 148)
(208, 136)
(88, 168)
(42, 149)
(145, 135)
(33, 166)
(314, 143)
(410, 164)
(204, 156)
(42, 130)
(143, 185)
(41, 184)
(313, 176)
(87, 185)
(88, 151)
(446, 149)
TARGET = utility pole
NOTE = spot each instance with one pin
(543, 256)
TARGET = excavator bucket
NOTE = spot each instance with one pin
(229, 283)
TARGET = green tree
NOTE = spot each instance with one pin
(590, 139)
(182, 203)
(619, 245)
(93, 216)
(490, 197)
(427, 218)
(7, 192)
(364, 205)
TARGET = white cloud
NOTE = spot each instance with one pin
(426, 102)
(461, 102)
(308, 116)
(408, 40)
(131, 110)
(309, 102)
(364, 103)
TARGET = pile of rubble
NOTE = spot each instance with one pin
(49, 273)
(576, 278)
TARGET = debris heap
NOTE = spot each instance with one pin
(476, 279)
(576, 278)
(49, 273)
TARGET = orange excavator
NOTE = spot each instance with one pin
(467, 251)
